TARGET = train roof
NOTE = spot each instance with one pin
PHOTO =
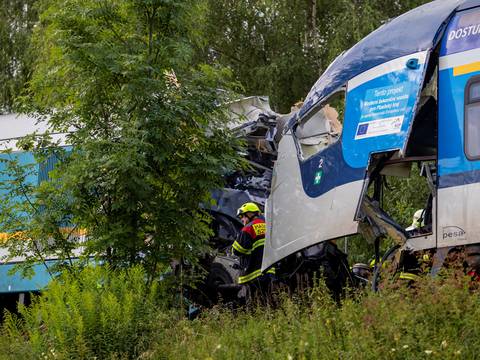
(15, 126)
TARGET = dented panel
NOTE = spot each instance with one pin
(315, 199)
(296, 220)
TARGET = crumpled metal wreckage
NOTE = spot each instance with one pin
(408, 93)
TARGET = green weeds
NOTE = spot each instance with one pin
(437, 319)
(110, 315)
(97, 314)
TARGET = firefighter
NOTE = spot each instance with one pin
(412, 261)
(249, 247)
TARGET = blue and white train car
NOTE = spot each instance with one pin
(409, 92)
(13, 127)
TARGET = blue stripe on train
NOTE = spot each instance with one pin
(327, 170)
(10, 283)
(458, 179)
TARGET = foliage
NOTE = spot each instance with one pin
(438, 319)
(34, 212)
(17, 18)
(105, 70)
(98, 313)
(279, 48)
(148, 138)
(275, 48)
(400, 199)
(264, 44)
(104, 316)
(150, 141)
(404, 196)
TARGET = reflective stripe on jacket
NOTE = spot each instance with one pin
(408, 276)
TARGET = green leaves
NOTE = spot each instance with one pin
(138, 81)
(96, 313)
(150, 141)
(279, 48)
(17, 18)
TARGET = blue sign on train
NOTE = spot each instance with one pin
(383, 110)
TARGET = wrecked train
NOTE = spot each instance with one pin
(407, 93)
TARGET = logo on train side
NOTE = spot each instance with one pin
(453, 232)
(318, 177)
(464, 32)
(319, 173)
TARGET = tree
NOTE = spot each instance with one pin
(280, 48)
(266, 45)
(149, 141)
(17, 18)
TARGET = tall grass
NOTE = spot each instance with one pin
(107, 315)
(437, 319)
(98, 313)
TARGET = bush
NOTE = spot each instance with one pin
(99, 313)
(106, 315)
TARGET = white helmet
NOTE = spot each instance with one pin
(418, 220)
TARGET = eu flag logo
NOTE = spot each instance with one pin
(362, 129)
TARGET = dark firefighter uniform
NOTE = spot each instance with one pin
(249, 247)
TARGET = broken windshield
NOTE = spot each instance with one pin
(322, 128)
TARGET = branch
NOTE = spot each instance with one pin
(115, 33)
(23, 191)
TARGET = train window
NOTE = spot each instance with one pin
(322, 128)
(474, 91)
(472, 119)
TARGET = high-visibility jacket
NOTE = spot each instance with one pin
(249, 247)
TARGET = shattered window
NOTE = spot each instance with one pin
(472, 119)
(322, 128)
